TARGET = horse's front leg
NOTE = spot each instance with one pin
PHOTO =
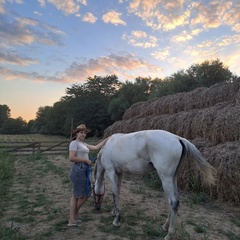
(114, 178)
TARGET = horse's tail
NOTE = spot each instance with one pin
(206, 169)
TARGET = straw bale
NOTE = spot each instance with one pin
(226, 160)
(209, 117)
(199, 98)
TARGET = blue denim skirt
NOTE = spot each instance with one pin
(78, 176)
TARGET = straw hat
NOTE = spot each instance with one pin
(81, 127)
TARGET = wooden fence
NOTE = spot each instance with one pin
(43, 147)
(28, 148)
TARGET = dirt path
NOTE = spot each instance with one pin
(39, 202)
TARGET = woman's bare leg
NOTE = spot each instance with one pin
(75, 205)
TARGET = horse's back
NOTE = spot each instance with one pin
(138, 152)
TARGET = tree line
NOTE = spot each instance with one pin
(101, 101)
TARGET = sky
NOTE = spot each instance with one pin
(48, 45)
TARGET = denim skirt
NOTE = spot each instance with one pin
(78, 176)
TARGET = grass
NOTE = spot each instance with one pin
(6, 175)
(30, 138)
(11, 233)
(229, 234)
(34, 205)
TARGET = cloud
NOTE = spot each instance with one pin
(26, 31)
(168, 15)
(13, 58)
(113, 17)
(213, 14)
(125, 66)
(160, 14)
(183, 37)
(2, 9)
(68, 7)
(9, 74)
(141, 39)
(229, 40)
(89, 17)
(161, 55)
(37, 13)
(111, 64)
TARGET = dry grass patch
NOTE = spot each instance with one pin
(38, 203)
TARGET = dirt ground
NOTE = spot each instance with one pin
(38, 207)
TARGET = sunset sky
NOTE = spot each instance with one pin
(48, 45)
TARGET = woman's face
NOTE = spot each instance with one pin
(81, 135)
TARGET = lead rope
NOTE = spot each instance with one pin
(100, 196)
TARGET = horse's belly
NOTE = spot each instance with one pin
(135, 168)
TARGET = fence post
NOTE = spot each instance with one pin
(33, 145)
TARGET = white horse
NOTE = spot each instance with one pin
(141, 153)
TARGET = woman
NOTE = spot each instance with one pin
(78, 154)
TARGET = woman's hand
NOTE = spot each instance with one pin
(89, 162)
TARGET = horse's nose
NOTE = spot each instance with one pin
(98, 206)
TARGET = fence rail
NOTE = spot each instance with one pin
(20, 148)
(27, 148)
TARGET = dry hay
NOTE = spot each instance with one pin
(199, 98)
(209, 117)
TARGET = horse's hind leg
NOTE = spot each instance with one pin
(119, 178)
(171, 193)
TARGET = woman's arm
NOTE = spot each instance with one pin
(98, 146)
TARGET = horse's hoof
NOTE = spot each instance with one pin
(98, 207)
(170, 236)
(167, 237)
(165, 228)
(116, 224)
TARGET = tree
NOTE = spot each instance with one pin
(208, 73)
(127, 95)
(205, 74)
(117, 107)
(15, 126)
(4, 114)
(107, 86)
(41, 119)
(88, 103)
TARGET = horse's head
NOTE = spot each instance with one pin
(97, 198)
(99, 188)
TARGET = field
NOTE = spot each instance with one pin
(30, 138)
(36, 207)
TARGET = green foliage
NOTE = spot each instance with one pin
(229, 234)
(152, 180)
(197, 191)
(4, 114)
(152, 229)
(14, 126)
(128, 94)
(205, 74)
(11, 233)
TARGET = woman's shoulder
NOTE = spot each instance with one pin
(77, 143)
(73, 143)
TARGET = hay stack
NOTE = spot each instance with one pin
(210, 118)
